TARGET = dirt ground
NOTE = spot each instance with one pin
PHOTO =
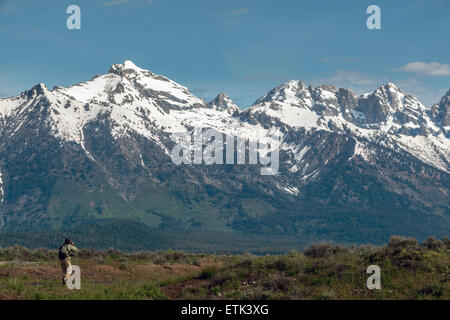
(97, 272)
(33, 272)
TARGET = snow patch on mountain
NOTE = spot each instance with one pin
(360, 151)
(97, 88)
(289, 189)
(291, 115)
(432, 150)
(10, 105)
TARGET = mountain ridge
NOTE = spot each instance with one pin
(101, 149)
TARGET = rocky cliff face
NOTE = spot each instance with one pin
(440, 113)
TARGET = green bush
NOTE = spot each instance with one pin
(325, 250)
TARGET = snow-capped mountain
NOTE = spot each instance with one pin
(101, 149)
(387, 113)
(223, 103)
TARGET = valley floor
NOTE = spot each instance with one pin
(408, 271)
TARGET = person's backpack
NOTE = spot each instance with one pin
(63, 252)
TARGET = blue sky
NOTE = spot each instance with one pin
(243, 48)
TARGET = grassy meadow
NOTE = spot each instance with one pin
(409, 270)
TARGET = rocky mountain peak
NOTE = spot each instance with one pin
(286, 92)
(39, 89)
(440, 112)
(223, 102)
(387, 100)
(127, 67)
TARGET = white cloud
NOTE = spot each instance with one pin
(115, 2)
(353, 78)
(120, 2)
(418, 4)
(433, 69)
(239, 11)
(264, 77)
(236, 12)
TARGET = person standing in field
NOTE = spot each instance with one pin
(65, 254)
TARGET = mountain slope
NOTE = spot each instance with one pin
(351, 168)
